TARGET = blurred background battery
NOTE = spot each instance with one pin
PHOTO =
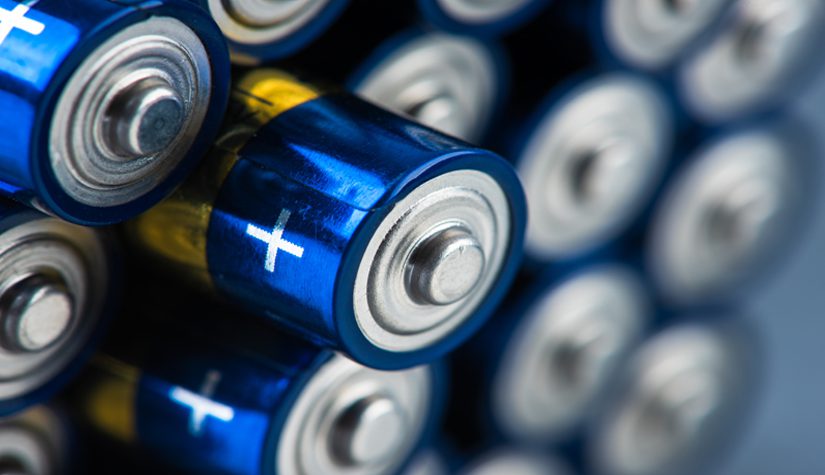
(514, 461)
(196, 391)
(729, 212)
(38, 441)
(58, 285)
(684, 398)
(266, 30)
(538, 369)
(480, 17)
(755, 60)
(105, 106)
(344, 223)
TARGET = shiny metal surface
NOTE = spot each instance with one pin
(481, 11)
(464, 215)
(32, 443)
(130, 112)
(653, 33)
(355, 421)
(724, 215)
(762, 51)
(35, 312)
(566, 349)
(258, 22)
(591, 162)
(428, 462)
(515, 462)
(447, 82)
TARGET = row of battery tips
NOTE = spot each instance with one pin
(209, 265)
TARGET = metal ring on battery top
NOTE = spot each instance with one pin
(723, 216)
(53, 283)
(432, 260)
(31, 443)
(130, 112)
(764, 48)
(481, 12)
(257, 22)
(681, 390)
(591, 162)
(449, 83)
(354, 420)
(653, 33)
(514, 462)
(565, 350)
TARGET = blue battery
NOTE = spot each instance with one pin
(346, 224)
(480, 18)
(105, 106)
(536, 372)
(223, 398)
(266, 31)
(59, 286)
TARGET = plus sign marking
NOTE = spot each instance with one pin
(16, 18)
(200, 404)
(275, 240)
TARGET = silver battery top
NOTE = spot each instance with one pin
(450, 83)
(592, 162)
(652, 34)
(352, 420)
(130, 113)
(481, 12)
(725, 215)
(565, 351)
(33, 443)
(762, 51)
(681, 401)
(511, 461)
(54, 280)
(259, 22)
(432, 260)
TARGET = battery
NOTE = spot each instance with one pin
(729, 212)
(218, 397)
(684, 397)
(353, 227)
(58, 283)
(536, 371)
(590, 158)
(37, 441)
(757, 59)
(515, 461)
(105, 106)
(480, 17)
(263, 30)
(428, 461)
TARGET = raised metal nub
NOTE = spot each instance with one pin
(369, 432)
(602, 174)
(35, 313)
(145, 118)
(581, 358)
(740, 223)
(445, 267)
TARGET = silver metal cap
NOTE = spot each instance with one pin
(432, 260)
(352, 420)
(35, 313)
(763, 49)
(259, 22)
(130, 112)
(652, 34)
(564, 351)
(481, 12)
(592, 162)
(515, 462)
(33, 443)
(449, 83)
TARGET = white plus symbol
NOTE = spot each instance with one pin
(16, 18)
(275, 240)
(201, 405)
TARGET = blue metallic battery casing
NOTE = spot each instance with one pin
(279, 222)
(256, 52)
(434, 12)
(35, 68)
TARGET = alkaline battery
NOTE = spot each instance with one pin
(684, 398)
(589, 159)
(480, 17)
(105, 106)
(515, 461)
(536, 371)
(217, 397)
(349, 225)
(37, 441)
(755, 60)
(266, 30)
(56, 288)
(730, 210)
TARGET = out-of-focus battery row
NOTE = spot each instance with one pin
(279, 236)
